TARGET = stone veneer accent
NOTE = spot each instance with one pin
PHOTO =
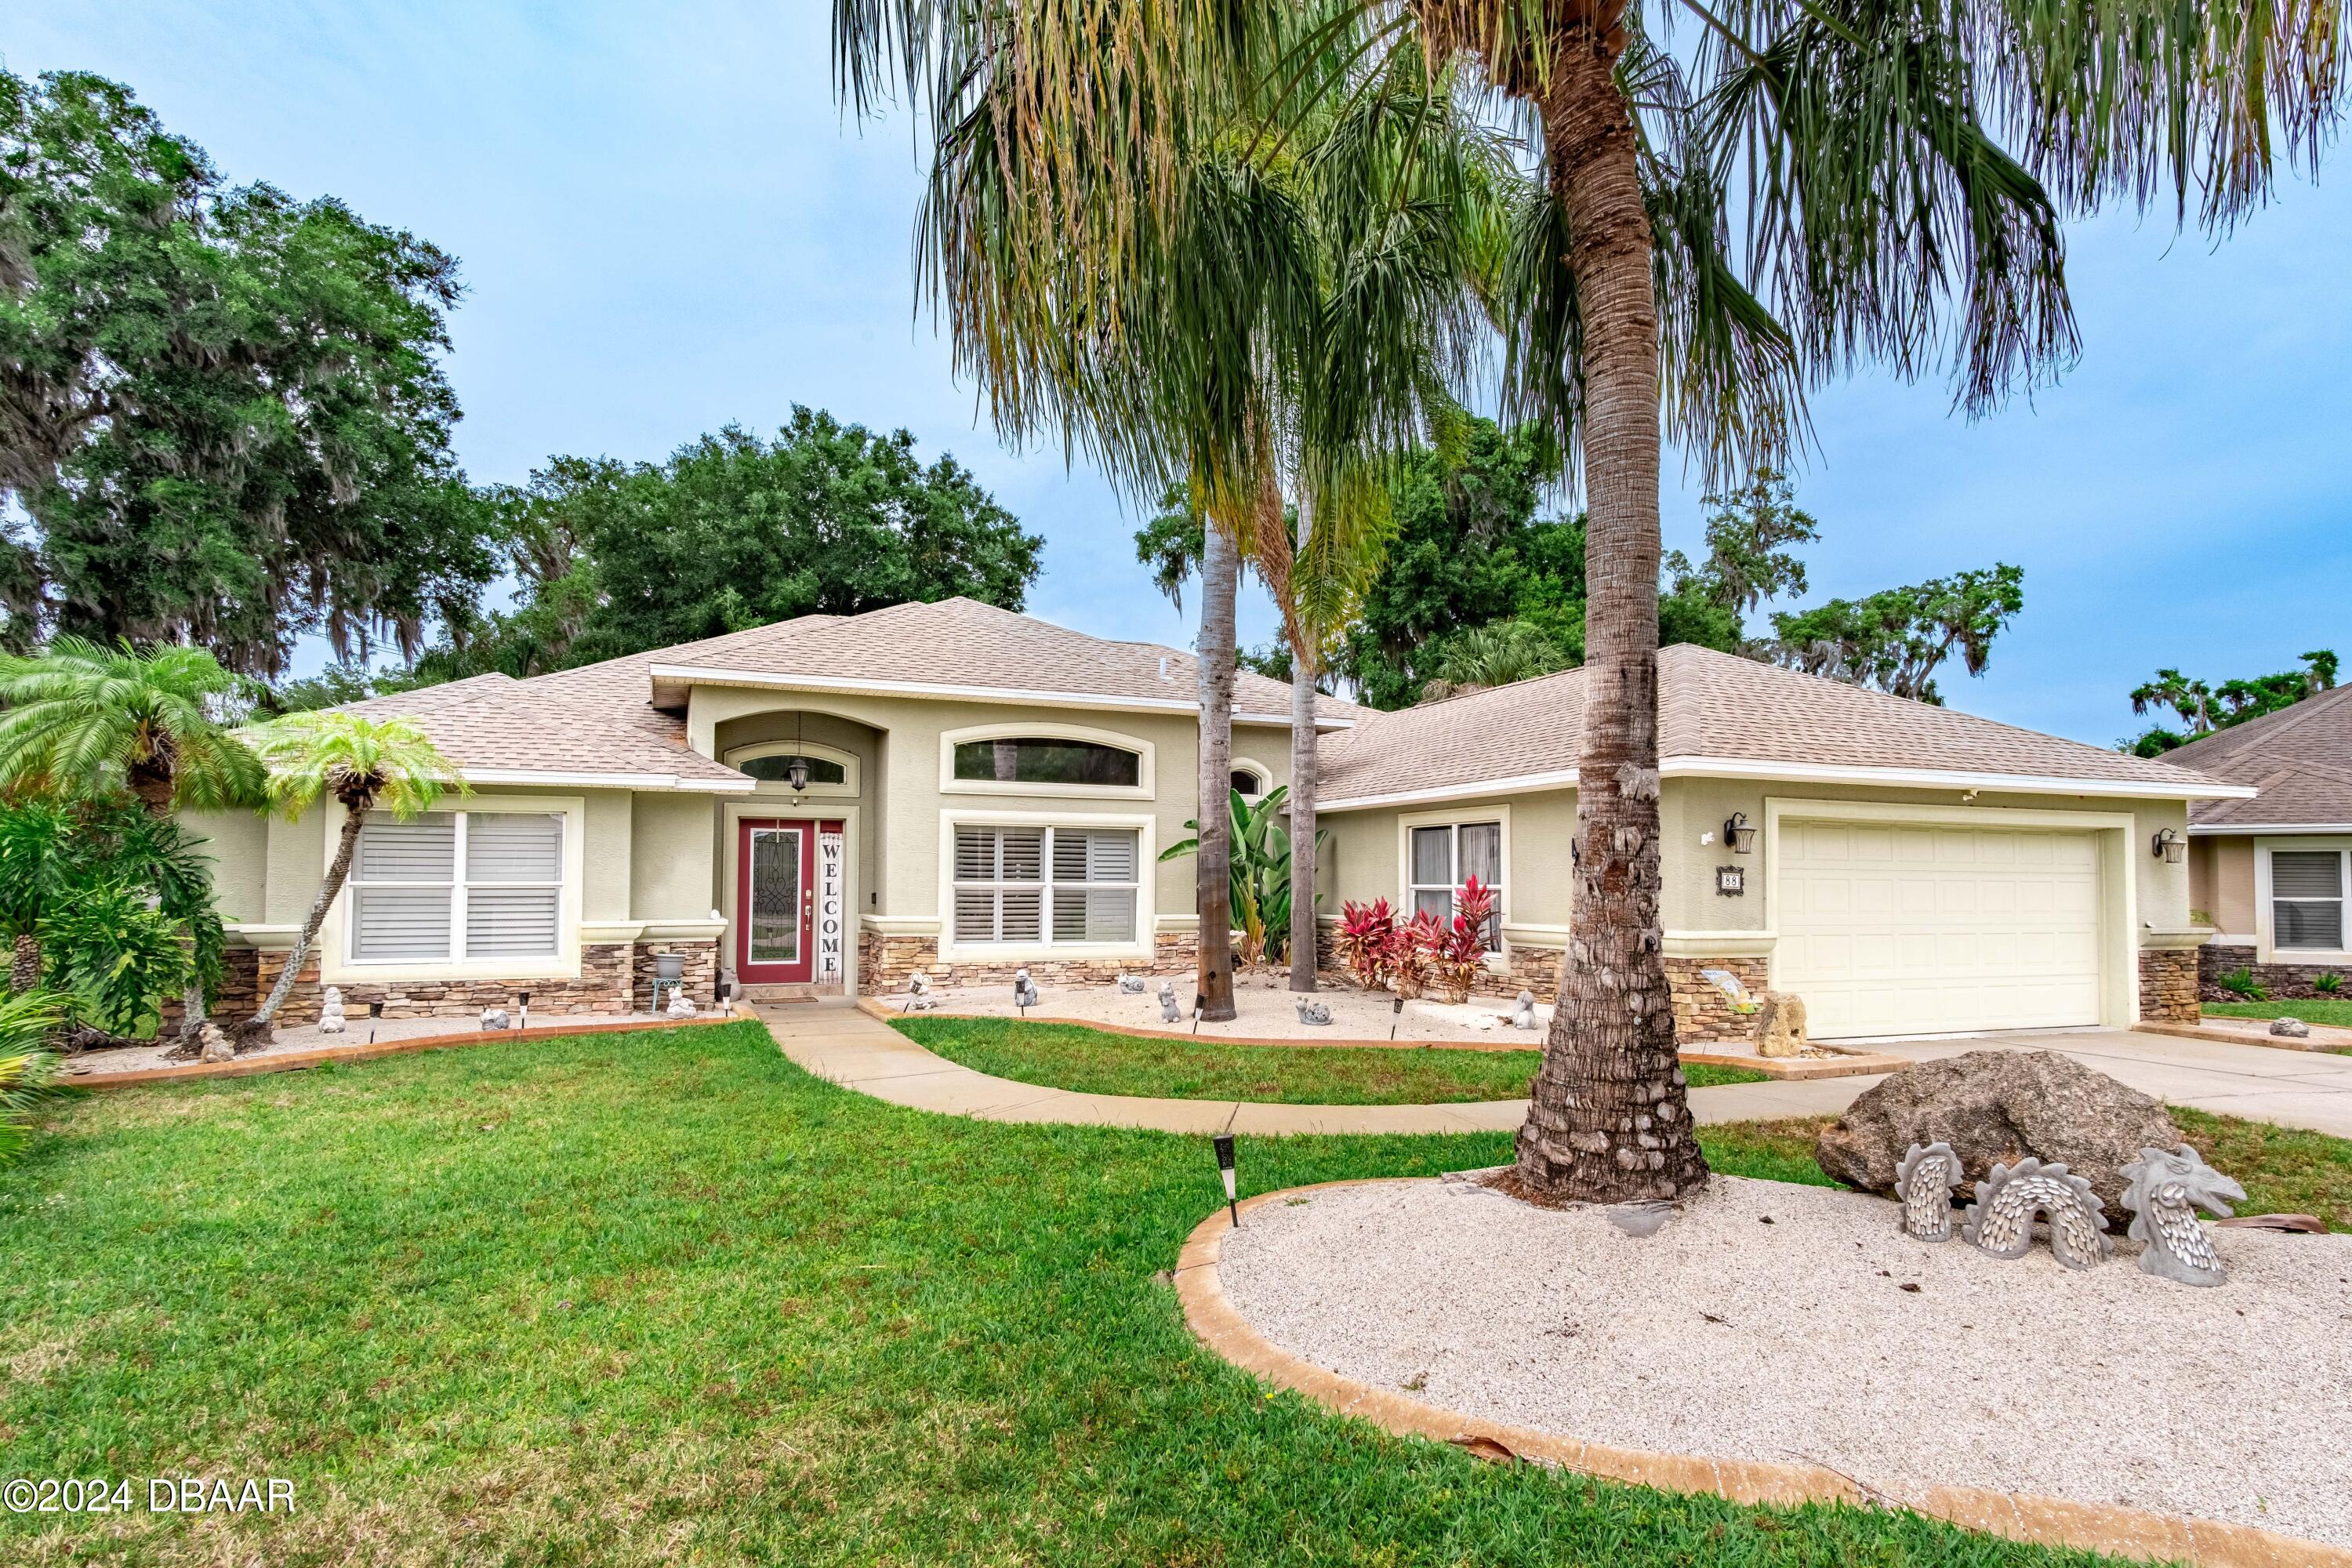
(1703, 1013)
(2282, 980)
(885, 963)
(614, 977)
(2168, 984)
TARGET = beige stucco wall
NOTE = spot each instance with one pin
(672, 874)
(237, 844)
(902, 798)
(2222, 882)
(1366, 852)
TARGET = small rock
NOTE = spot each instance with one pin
(1780, 1025)
(2290, 1028)
(1909, 1286)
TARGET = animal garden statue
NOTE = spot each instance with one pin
(681, 1006)
(2001, 1219)
(1313, 1012)
(1524, 1015)
(1024, 990)
(1924, 1180)
(494, 1018)
(2164, 1192)
(1168, 1012)
(1130, 985)
(330, 1011)
(918, 993)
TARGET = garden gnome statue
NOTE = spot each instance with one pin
(330, 1011)
(1313, 1012)
(2164, 1192)
(1524, 1015)
(1168, 1012)
(493, 1018)
(1130, 985)
(681, 1006)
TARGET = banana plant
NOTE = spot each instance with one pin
(1260, 879)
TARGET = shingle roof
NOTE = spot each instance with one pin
(2299, 757)
(1712, 707)
(600, 718)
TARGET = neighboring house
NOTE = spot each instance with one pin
(985, 792)
(2270, 874)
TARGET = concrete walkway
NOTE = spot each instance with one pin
(837, 1042)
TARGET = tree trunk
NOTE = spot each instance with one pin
(1609, 1120)
(355, 819)
(24, 967)
(1303, 670)
(1220, 580)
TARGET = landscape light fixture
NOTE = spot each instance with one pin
(1396, 1011)
(2169, 847)
(1738, 834)
(522, 1005)
(1224, 1141)
(1200, 1005)
(376, 1011)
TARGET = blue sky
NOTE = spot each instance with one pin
(666, 224)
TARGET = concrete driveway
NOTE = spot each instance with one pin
(2294, 1088)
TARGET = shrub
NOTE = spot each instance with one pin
(1459, 951)
(1366, 942)
(28, 1073)
(2241, 981)
(2327, 984)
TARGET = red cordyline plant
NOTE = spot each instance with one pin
(1459, 951)
(1367, 942)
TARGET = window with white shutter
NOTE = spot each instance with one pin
(457, 886)
(1003, 892)
(2307, 898)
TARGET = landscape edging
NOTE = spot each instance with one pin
(2037, 1520)
(291, 1061)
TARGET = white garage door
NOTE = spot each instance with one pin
(1888, 930)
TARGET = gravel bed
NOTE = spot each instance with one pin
(1268, 1009)
(358, 1031)
(1827, 1336)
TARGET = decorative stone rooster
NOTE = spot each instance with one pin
(2001, 1219)
(2164, 1191)
(1924, 1180)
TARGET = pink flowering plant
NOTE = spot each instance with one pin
(1367, 942)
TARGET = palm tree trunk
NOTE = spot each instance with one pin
(24, 967)
(353, 820)
(1220, 582)
(1609, 1120)
(1303, 933)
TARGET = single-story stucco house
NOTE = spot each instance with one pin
(2270, 873)
(985, 791)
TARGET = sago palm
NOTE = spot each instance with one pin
(1883, 221)
(86, 720)
(366, 765)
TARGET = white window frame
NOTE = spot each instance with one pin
(1146, 887)
(1047, 730)
(2266, 946)
(1264, 774)
(337, 967)
(1498, 956)
(848, 789)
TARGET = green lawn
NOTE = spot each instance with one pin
(2320, 1010)
(1065, 1055)
(663, 1297)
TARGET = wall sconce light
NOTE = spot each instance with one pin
(2169, 847)
(1738, 834)
(796, 775)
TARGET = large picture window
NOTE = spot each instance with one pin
(1052, 886)
(1046, 759)
(2307, 898)
(454, 886)
(1444, 856)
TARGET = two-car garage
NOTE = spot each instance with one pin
(1894, 927)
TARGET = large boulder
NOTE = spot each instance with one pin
(1997, 1107)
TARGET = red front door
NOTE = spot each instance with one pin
(775, 902)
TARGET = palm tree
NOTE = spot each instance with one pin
(83, 718)
(1494, 654)
(366, 764)
(34, 846)
(28, 1070)
(1882, 216)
